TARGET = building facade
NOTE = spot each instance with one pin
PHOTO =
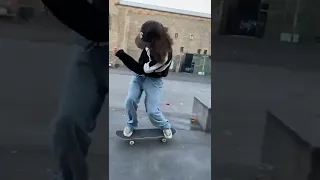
(190, 34)
(278, 20)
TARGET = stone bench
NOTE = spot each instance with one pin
(5, 13)
(284, 149)
(202, 109)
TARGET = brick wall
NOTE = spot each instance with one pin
(126, 21)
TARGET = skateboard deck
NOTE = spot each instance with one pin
(137, 134)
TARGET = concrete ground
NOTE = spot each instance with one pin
(31, 76)
(186, 156)
(176, 92)
(189, 153)
(171, 76)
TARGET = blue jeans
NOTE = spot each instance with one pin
(82, 98)
(153, 90)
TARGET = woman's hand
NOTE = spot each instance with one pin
(115, 50)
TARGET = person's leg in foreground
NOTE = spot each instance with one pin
(131, 104)
(82, 98)
(153, 90)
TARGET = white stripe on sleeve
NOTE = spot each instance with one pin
(164, 67)
(159, 67)
(147, 69)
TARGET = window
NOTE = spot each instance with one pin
(176, 35)
(205, 52)
(199, 51)
(191, 37)
(181, 49)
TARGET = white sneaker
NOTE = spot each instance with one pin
(127, 131)
(167, 133)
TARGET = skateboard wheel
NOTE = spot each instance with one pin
(164, 140)
(131, 142)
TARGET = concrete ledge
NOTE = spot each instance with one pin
(285, 150)
(243, 171)
(5, 13)
(202, 109)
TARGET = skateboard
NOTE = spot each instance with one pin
(144, 134)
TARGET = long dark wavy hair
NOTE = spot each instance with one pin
(160, 47)
(162, 43)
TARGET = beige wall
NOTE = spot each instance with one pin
(126, 21)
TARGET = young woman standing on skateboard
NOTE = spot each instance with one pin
(153, 64)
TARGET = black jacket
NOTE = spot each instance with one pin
(147, 65)
(89, 20)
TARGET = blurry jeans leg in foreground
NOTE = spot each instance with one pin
(133, 99)
(153, 90)
(82, 98)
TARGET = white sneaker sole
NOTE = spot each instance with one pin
(167, 137)
(127, 135)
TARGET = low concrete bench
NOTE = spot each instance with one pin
(5, 13)
(287, 151)
(202, 109)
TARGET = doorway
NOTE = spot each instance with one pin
(247, 18)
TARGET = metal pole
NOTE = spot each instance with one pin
(295, 20)
(204, 62)
(258, 19)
